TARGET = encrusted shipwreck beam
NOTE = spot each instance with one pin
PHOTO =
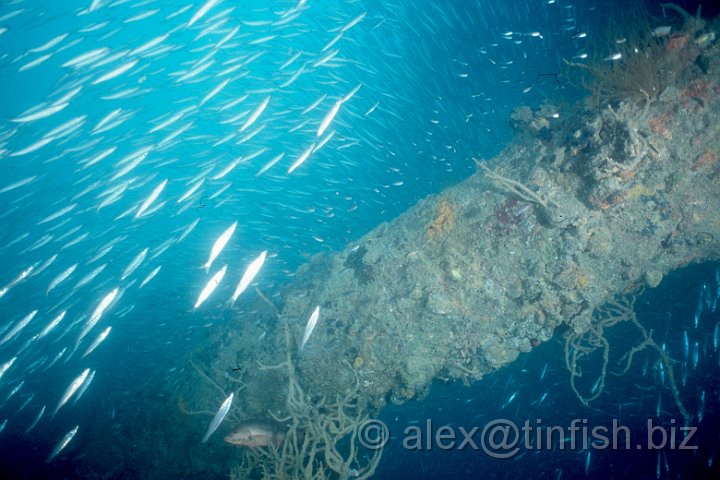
(578, 209)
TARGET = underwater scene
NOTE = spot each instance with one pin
(352, 239)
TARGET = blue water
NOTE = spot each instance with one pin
(438, 81)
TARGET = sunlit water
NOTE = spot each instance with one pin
(143, 102)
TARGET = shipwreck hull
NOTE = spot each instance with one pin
(584, 206)
(577, 211)
(465, 281)
(462, 283)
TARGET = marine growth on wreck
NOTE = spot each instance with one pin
(589, 206)
(345, 239)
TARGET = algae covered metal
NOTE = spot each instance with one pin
(585, 205)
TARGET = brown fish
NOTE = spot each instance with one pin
(257, 433)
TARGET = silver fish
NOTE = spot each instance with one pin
(84, 387)
(219, 417)
(6, 366)
(116, 72)
(187, 230)
(89, 277)
(134, 264)
(60, 278)
(37, 419)
(329, 117)
(97, 313)
(249, 274)
(18, 184)
(150, 276)
(191, 190)
(202, 11)
(71, 389)
(100, 338)
(303, 156)
(49, 44)
(151, 198)
(255, 114)
(18, 327)
(219, 245)
(210, 286)
(62, 444)
(23, 275)
(39, 114)
(312, 321)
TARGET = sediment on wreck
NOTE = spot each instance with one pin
(583, 206)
